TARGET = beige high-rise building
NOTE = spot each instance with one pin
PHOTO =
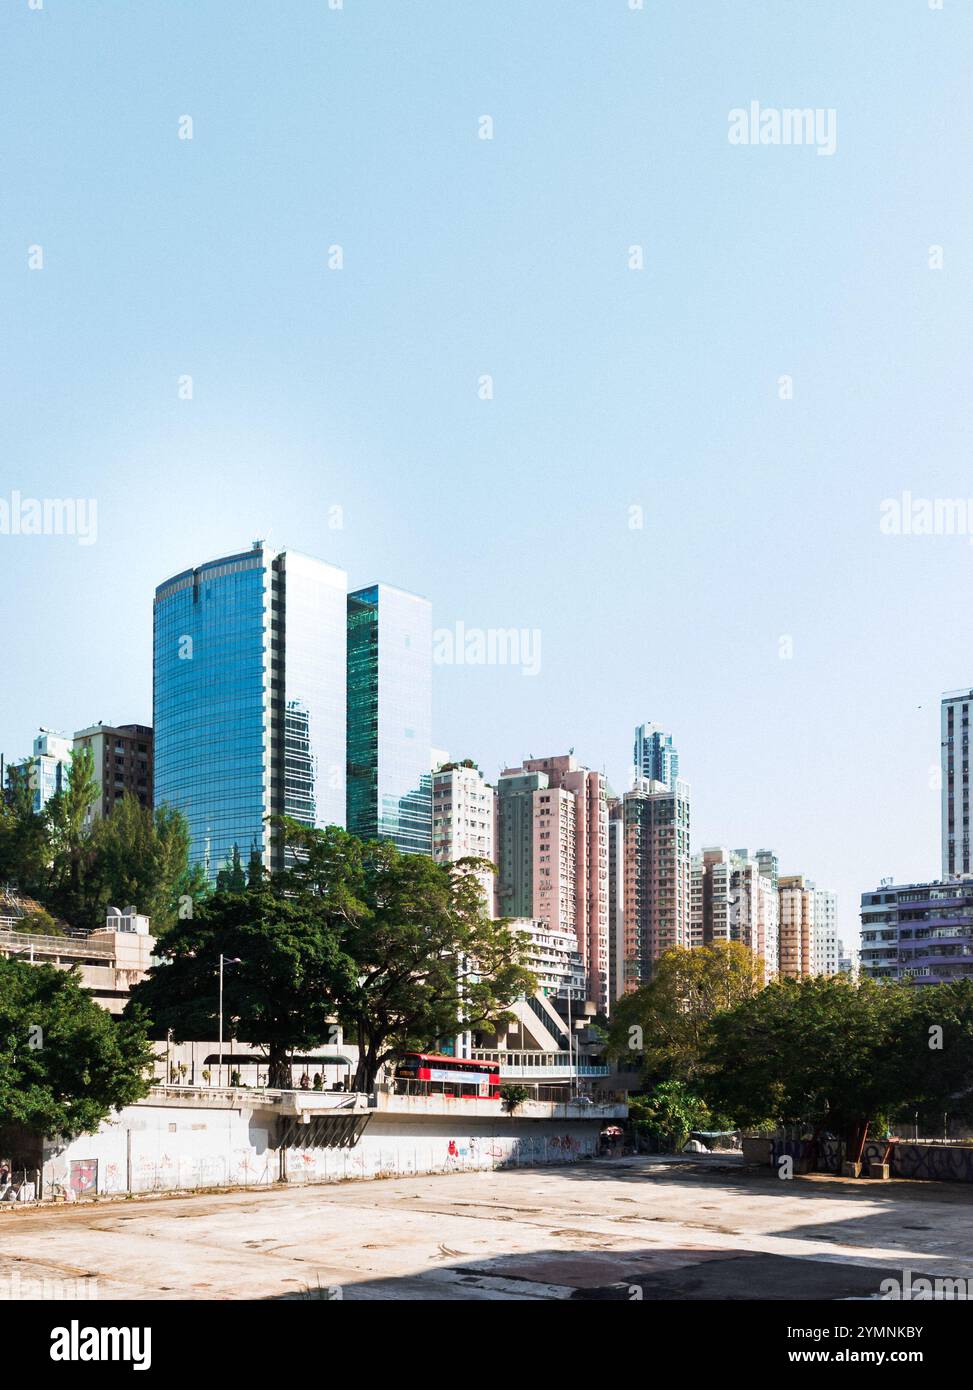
(796, 926)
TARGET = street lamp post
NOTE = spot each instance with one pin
(232, 960)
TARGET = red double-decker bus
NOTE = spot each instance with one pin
(450, 1076)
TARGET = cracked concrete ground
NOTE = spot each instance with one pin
(655, 1228)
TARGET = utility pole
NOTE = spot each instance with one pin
(232, 960)
(219, 1064)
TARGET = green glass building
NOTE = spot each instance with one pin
(389, 781)
(515, 840)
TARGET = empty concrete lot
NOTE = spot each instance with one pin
(610, 1229)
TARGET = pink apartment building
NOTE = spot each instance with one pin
(568, 829)
(656, 877)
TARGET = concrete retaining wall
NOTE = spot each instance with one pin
(936, 1162)
(150, 1148)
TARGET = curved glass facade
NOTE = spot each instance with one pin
(249, 699)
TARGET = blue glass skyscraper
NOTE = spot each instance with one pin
(654, 755)
(390, 717)
(249, 672)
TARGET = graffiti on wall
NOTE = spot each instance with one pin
(84, 1175)
(932, 1162)
(167, 1168)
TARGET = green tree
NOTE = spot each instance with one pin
(25, 853)
(65, 1063)
(142, 857)
(68, 891)
(429, 962)
(397, 948)
(822, 1053)
(76, 867)
(287, 968)
(935, 1055)
(513, 1096)
(669, 1021)
(668, 1113)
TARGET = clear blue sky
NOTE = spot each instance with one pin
(613, 388)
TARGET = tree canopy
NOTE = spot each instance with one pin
(281, 972)
(429, 960)
(65, 1063)
(669, 1021)
(396, 948)
(25, 852)
(669, 1112)
(834, 1054)
(76, 868)
(934, 1053)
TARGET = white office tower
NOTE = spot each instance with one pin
(825, 947)
(955, 756)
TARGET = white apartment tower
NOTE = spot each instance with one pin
(733, 900)
(825, 949)
(48, 767)
(464, 821)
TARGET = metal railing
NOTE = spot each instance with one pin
(554, 1095)
(54, 945)
(511, 1062)
(556, 1030)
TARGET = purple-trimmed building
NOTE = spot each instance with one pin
(918, 932)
